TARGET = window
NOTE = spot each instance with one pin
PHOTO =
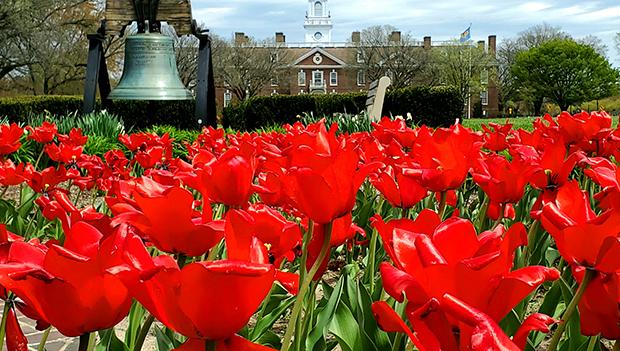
(333, 78)
(227, 98)
(361, 78)
(318, 9)
(274, 57)
(274, 82)
(360, 57)
(301, 78)
(484, 77)
(484, 98)
(274, 92)
(317, 78)
(301, 92)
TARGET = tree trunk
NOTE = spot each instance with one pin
(538, 102)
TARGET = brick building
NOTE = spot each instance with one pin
(319, 65)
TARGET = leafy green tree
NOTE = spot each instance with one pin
(566, 72)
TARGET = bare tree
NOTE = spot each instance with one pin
(247, 66)
(461, 66)
(383, 51)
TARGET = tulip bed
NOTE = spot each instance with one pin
(396, 239)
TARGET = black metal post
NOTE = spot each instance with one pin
(205, 113)
(93, 69)
(96, 72)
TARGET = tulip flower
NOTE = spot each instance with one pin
(323, 176)
(496, 139)
(433, 258)
(442, 158)
(485, 333)
(228, 179)
(68, 286)
(166, 218)
(197, 300)
(590, 243)
(43, 134)
(9, 138)
(399, 190)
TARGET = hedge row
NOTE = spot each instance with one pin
(433, 106)
(136, 114)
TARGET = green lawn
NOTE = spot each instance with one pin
(517, 123)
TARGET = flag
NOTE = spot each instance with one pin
(466, 35)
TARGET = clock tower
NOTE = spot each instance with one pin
(318, 23)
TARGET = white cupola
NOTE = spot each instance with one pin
(318, 23)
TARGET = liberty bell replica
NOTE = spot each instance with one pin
(150, 71)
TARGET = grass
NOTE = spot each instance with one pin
(517, 123)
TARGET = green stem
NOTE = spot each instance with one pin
(46, 333)
(303, 289)
(400, 309)
(482, 214)
(371, 260)
(442, 204)
(144, 331)
(210, 345)
(87, 342)
(36, 164)
(530, 239)
(572, 307)
(5, 313)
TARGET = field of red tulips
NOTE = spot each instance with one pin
(398, 239)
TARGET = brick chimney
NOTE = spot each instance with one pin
(395, 36)
(356, 37)
(492, 45)
(280, 37)
(427, 42)
(240, 38)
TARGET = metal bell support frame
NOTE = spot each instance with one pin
(150, 71)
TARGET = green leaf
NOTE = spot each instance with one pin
(267, 321)
(110, 342)
(345, 329)
(325, 316)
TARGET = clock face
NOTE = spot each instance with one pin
(318, 36)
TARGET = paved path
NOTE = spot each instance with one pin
(55, 340)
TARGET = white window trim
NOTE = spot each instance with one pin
(275, 82)
(359, 58)
(484, 77)
(484, 98)
(333, 74)
(362, 74)
(227, 98)
(301, 82)
(321, 83)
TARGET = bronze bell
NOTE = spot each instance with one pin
(150, 71)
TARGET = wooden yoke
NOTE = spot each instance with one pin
(120, 13)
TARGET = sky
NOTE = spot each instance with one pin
(441, 19)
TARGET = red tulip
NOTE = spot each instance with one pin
(228, 179)
(234, 343)
(582, 237)
(168, 220)
(68, 286)
(74, 138)
(264, 230)
(443, 158)
(196, 301)
(15, 338)
(434, 258)
(598, 308)
(503, 181)
(497, 139)
(398, 189)
(43, 134)
(9, 138)
(11, 174)
(323, 177)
